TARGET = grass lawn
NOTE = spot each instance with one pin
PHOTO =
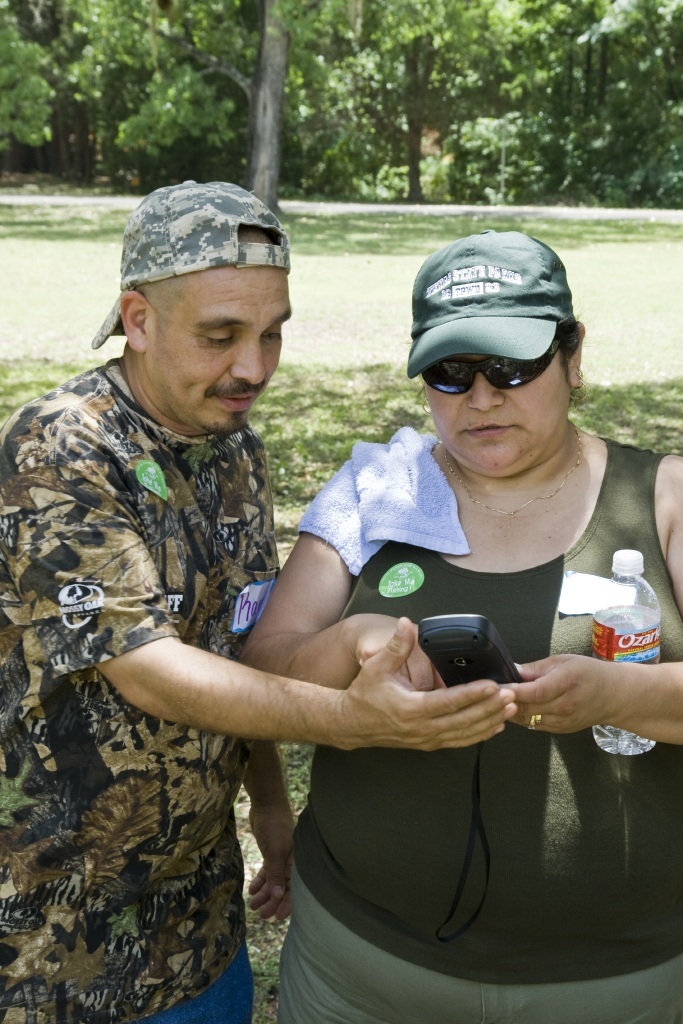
(342, 377)
(351, 283)
(342, 374)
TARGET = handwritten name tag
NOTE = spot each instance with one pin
(249, 604)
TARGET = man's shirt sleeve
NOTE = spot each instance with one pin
(79, 577)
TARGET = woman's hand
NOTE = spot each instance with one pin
(569, 692)
(368, 634)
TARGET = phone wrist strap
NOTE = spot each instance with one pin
(476, 829)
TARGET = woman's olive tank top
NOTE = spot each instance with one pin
(586, 848)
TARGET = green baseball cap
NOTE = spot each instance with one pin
(179, 229)
(497, 293)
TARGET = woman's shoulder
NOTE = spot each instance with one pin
(629, 456)
(670, 481)
(669, 517)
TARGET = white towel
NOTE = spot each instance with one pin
(393, 491)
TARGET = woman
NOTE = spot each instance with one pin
(531, 877)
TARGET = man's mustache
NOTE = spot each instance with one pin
(240, 389)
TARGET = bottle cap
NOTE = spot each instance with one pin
(627, 562)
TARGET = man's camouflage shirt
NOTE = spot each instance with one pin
(120, 871)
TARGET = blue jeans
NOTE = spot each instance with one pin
(228, 1001)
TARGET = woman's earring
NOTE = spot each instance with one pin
(579, 391)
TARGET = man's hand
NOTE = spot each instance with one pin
(382, 708)
(378, 707)
(272, 825)
(273, 828)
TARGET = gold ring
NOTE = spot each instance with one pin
(535, 720)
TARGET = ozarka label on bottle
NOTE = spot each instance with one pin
(617, 637)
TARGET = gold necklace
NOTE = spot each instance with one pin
(539, 497)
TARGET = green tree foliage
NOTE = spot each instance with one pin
(164, 114)
(377, 91)
(57, 28)
(220, 71)
(595, 102)
(486, 101)
(636, 104)
(129, 84)
(25, 94)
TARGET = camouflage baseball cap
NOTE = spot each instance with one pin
(182, 228)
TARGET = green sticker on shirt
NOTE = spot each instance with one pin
(151, 476)
(402, 579)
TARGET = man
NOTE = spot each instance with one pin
(136, 551)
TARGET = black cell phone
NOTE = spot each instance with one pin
(464, 648)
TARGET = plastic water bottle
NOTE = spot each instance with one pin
(627, 630)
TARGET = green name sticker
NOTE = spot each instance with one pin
(404, 578)
(151, 476)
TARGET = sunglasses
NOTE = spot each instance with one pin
(456, 378)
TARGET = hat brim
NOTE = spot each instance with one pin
(112, 325)
(515, 337)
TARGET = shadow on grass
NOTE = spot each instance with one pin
(26, 379)
(62, 223)
(310, 417)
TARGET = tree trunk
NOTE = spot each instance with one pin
(82, 145)
(419, 62)
(604, 65)
(265, 112)
(265, 92)
(588, 80)
(414, 147)
(61, 164)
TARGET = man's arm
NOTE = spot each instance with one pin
(380, 708)
(272, 824)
